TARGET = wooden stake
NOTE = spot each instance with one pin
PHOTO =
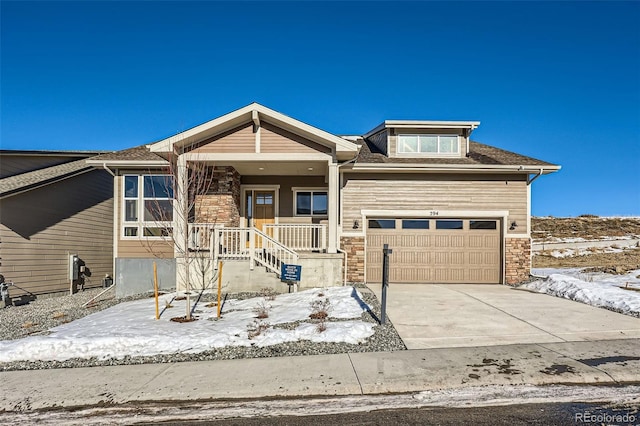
(155, 288)
(219, 286)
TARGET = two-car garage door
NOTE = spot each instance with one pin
(435, 250)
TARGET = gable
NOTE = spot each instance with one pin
(269, 138)
(281, 134)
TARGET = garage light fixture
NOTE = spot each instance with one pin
(356, 224)
(513, 226)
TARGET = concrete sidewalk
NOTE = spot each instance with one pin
(596, 362)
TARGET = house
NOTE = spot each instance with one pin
(56, 220)
(452, 210)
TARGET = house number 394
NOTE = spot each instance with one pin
(433, 213)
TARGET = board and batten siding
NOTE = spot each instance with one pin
(434, 192)
(138, 248)
(41, 227)
(393, 139)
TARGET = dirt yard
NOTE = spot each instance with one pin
(589, 228)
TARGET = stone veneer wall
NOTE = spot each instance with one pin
(518, 260)
(221, 204)
(354, 247)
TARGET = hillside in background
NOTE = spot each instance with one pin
(606, 244)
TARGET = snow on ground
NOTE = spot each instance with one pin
(130, 328)
(596, 289)
(567, 252)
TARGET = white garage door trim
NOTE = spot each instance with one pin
(500, 215)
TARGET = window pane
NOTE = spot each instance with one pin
(448, 224)
(131, 186)
(448, 144)
(415, 224)
(428, 144)
(319, 203)
(303, 203)
(264, 198)
(130, 210)
(408, 143)
(158, 187)
(158, 210)
(249, 205)
(157, 232)
(382, 223)
(482, 224)
(131, 231)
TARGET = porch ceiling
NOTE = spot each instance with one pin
(281, 168)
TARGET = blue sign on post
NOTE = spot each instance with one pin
(290, 272)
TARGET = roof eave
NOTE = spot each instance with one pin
(464, 168)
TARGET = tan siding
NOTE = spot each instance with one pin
(275, 140)
(240, 139)
(138, 247)
(393, 138)
(15, 164)
(40, 228)
(435, 192)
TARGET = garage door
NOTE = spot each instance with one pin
(435, 250)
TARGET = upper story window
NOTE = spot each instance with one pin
(147, 205)
(310, 202)
(429, 144)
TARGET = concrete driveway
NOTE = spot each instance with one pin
(461, 315)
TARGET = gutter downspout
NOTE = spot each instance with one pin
(530, 180)
(104, 166)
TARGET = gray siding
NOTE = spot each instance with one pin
(15, 164)
(380, 141)
(435, 192)
(40, 228)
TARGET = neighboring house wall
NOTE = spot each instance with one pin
(41, 227)
(15, 164)
(434, 192)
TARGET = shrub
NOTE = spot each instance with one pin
(320, 312)
(256, 328)
(262, 310)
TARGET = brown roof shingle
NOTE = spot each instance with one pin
(24, 181)
(138, 153)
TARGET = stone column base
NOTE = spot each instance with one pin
(517, 260)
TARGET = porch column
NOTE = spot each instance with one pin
(333, 208)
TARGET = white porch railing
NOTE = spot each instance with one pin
(299, 237)
(249, 243)
(200, 235)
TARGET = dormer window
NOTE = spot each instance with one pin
(445, 145)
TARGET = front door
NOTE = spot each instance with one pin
(259, 210)
(263, 208)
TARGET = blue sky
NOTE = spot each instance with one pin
(559, 81)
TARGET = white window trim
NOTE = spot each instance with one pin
(140, 224)
(297, 189)
(427, 154)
